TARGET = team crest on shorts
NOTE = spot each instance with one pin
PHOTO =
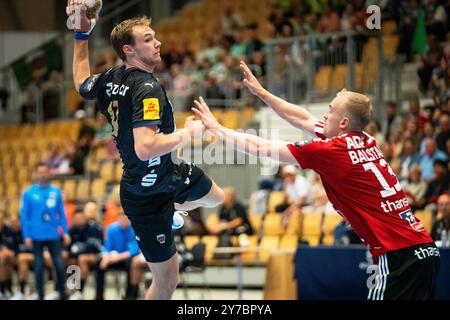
(161, 238)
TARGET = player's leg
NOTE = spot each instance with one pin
(164, 279)
(213, 198)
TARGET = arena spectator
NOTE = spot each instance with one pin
(233, 216)
(430, 155)
(119, 248)
(441, 228)
(415, 188)
(87, 239)
(42, 217)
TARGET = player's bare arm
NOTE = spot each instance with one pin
(296, 115)
(246, 143)
(80, 68)
(148, 143)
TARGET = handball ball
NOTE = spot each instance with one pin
(93, 8)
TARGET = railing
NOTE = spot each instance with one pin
(313, 68)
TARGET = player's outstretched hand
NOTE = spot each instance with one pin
(202, 111)
(77, 14)
(250, 81)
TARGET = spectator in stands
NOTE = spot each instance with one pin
(408, 158)
(86, 133)
(436, 19)
(344, 234)
(181, 88)
(415, 188)
(69, 207)
(430, 155)
(297, 191)
(233, 216)
(6, 257)
(138, 267)
(238, 49)
(111, 208)
(231, 21)
(428, 132)
(438, 185)
(415, 116)
(392, 120)
(42, 217)
(4, 96)
(53, 158)
(407, 21)
(87, 239)
(28, 110)
(441, 228)
(372, 129)
(119, 248)
(103, 137)
(329, 21)
(444, 132)
(253, 43)
(430, 60)
(51, 96)
(193, 224)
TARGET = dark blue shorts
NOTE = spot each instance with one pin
(151, 216)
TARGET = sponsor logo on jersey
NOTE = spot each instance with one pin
(161, 238)
(151, 109)
(302, 143)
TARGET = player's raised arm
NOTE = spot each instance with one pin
(243, 142)
(82, 26)
(296, 115)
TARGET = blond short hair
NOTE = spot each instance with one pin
(122, 34)
(359, 107)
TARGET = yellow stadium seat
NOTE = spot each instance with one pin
(12, 191)
(14, 207)
(267, 246)
(323, 78)
(289, 241)
(189, 241)
(118, 173)
(390, 45)
(294, 226)
(272, 225)
(311, 227)
(389, 27)
(107, 171)
(275, 198)
(212, 221)
(255, 221)
(70, 188)
(330, 223)
(250, 256)
(339, 78)
(82, 193)
(98, 189)
(211, 244)
(426, 217)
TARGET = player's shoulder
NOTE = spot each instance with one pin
(139, 76)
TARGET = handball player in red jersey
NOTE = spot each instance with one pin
(358, 181)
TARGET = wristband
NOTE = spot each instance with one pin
(81, 35)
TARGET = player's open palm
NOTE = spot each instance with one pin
(250, 80)
(205, 115)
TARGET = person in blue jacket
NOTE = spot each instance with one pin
(44, 222)
(119, 248)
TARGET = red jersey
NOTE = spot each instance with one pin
(363, 189)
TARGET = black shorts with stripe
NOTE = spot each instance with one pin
(151, 215)
(406, 274)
